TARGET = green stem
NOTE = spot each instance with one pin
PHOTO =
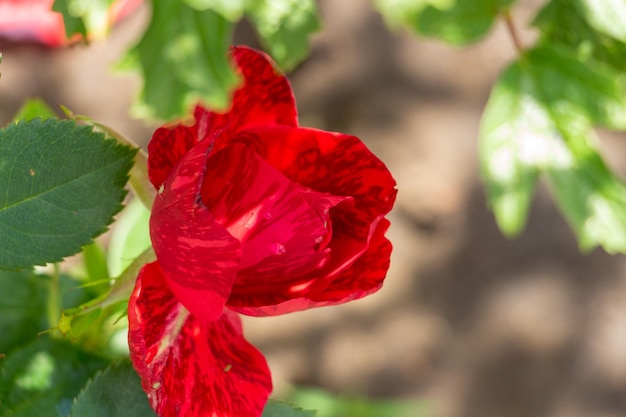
(513, 31)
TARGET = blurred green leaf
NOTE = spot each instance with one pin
(516, 136)
(22, 308)
(116, 391)
(399, 12)
(564, 22)
(231, 9)
(458, 22)
(183, 58)
(278, 409)
(41, 379)
(284, 27)
(32, 109)
(330, 405)
(53, 206)
(539, 119)
(130, 237)
(85, 17)
(607, 16)
(95, 262)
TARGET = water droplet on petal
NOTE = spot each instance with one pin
(319, 239)
(268, 215)
(278, 248)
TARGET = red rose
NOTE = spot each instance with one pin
(34, 20)
(254, 215)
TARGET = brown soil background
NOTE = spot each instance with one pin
(476, 324)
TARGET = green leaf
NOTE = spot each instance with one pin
(461, 22)
(539, 120)
(42, 378)
(607, 16)
(33, 109)
(398, 12)
(130, 237)
(330, 405)
(230, 9)
(116, 391)
(74, 25)
(61, 186)
(278, 409)
(515, 136)
(22, 308)
(284, 27)
(564, 22)
(183, 58)
(85, 17)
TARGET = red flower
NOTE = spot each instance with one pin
(254, 215)
(34, 20)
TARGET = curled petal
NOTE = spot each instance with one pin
(198, 256)
(362, 277)
(265, 98)
(166, 148)
(280, 224)
(331, 163)
(189, 367)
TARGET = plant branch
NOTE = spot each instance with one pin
(513, 31)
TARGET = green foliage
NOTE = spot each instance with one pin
(565, 23)
(329, 405)
(284, 27)
(130, 237)
(458, 22)
(183, 59)
(42, 378)
(51, 206)
(539, 119)
(33, 109)
(22, 306)
(278, 409)
(85, 17)
(116, 391)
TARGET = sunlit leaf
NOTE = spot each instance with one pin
(61, 186)
(539, 119)
(563, 22)
(231, 9)
(32, 109)
(284, 27)
(458, 22)
(183, 59)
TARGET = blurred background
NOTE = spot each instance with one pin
(468, 323)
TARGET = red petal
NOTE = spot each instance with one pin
(189, 367)
(363, 277)
(166, 148)
(198, 256)
(264, 99)
(331, 163)
(280, 224)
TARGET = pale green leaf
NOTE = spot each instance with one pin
(461, 22)
(32, 109)
(231, 9)
(285, 27)
(183, 58)
(607, 16)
